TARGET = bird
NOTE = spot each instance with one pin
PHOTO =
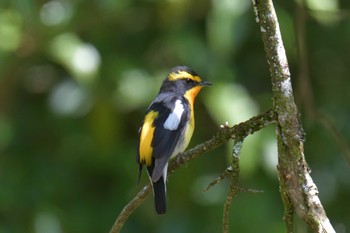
(167, 128)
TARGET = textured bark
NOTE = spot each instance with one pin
(298, 191)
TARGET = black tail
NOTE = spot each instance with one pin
(140, 172)
(159, 196)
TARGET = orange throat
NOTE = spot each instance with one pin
(191, 94)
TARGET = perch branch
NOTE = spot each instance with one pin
(223, 135)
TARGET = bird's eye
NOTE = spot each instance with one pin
(188, 81)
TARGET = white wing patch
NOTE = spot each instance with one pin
(174, 118)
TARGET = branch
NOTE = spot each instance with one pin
(223, 135)
(298, 191)
(234, 188)
(232, 172)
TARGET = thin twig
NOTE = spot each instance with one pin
(234, 188)
(227, 207)
(223, 135)
(223, 175)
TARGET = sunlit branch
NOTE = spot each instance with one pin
(298, 191)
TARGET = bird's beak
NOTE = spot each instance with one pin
(205, 83)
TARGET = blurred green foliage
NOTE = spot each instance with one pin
(77, 76)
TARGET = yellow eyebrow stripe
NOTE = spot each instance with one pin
(147, 132)
(183, 75)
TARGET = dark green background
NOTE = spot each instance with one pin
(68, 136)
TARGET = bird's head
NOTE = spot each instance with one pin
(183, 81)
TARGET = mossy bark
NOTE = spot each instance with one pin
(298, 191)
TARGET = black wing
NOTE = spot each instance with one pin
(164, 140)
